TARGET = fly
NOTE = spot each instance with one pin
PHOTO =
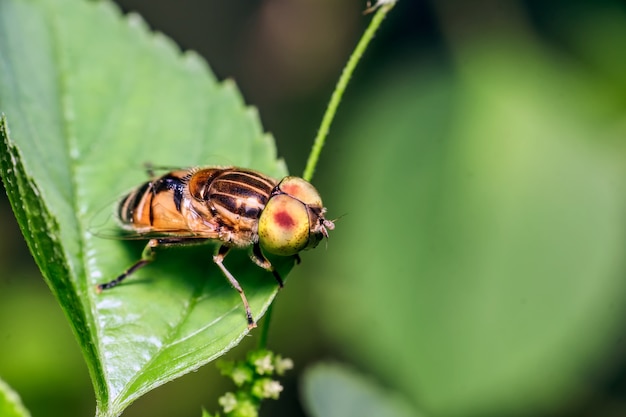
(235, 207)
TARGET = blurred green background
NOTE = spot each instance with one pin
(478, 167)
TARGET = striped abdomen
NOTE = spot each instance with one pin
(156, 205)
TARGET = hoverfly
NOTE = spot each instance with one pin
(235, 207)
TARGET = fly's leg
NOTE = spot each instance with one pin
(149, 170)
(258, 258)
(152, 169)
(147, 256)
(222, 251)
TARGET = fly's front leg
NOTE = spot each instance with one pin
(222, 251)
(258, 258)
(147, 256)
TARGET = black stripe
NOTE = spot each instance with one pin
(169, 182)
(251, 179)
(128, 205)
(226, 201)
(236, 206)
(237, 189)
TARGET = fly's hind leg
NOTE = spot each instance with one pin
(222, 251)
(147, 256)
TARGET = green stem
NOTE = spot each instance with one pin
(383, 7)
(335, 99)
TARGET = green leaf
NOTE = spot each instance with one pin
(10, 403)
(91, 96)
(333, 390)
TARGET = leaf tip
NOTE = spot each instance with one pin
(135, 21)
(196, 63)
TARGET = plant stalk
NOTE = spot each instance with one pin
(383, 8)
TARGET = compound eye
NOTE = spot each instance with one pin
(284, 226)
(302, 190)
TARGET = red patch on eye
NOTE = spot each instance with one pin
(284, 220)
(291, 188)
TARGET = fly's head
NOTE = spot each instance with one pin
(293, 218)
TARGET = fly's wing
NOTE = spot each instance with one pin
(115, 231)
(164, 220)
(163, 208)
(124, 234)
